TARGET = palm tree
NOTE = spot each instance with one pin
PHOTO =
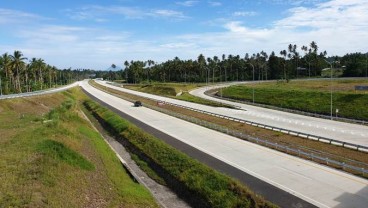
(5, 65)
(126, 64)
(201, 62)
(284, 54)
(17, 64)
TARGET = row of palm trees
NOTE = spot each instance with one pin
(18, 75)
(260, 66)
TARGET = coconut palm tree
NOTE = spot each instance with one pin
(17, 65)
(284, 54)
(5, 65)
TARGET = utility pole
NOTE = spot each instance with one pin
(331, 85)
(253, 80)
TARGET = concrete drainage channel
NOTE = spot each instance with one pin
(347, 165)
(163, 195)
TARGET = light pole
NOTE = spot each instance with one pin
(366, 65)
(253, 79)
(331, 84)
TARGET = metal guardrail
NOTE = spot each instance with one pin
(39, 92)
(264, 126)
(316, 115)
(301, 153)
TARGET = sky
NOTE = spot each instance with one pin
(95, 34)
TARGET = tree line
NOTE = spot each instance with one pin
(19, 74)
(292, 63)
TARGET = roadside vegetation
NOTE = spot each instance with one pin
(176, 91)
(341, 154)
(50, 156)
(199, 184)
(309, 96)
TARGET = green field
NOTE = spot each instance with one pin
(310, 96)
(51, 157)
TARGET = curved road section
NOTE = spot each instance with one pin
(319, 185)
(345, 132)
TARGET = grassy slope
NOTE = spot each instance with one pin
(312, 96)
(45, 163)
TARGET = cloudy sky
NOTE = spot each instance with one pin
(94, 34)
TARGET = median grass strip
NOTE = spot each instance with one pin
(309, 96)
(51, 157)
(199, 184)
(341, 154)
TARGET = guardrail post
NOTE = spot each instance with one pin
(343, 165)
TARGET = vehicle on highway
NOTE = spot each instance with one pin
(137, 103)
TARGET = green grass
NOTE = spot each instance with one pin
(51, 157)
(311, 97)
(59, 151)
(204, 186)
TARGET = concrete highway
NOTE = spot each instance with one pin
(345, 132)
(319, 185)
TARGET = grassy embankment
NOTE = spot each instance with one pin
(172, 89)
(199, 184)
(51, 157)
(318, 148)
(309, 96)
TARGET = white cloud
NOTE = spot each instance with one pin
(187, 3)
(214, 3)
(244, 13)
(94, 12)
(167, 13)
(102, 13)
(8, 16)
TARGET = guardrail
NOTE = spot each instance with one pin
(282, 130)
(39, 92)
(316, 115)
(315, 156)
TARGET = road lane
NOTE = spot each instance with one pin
(345, 132)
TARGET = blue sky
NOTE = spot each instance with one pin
(95, 34)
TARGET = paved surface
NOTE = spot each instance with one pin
(319, 185)
(346, 132)
(41, 92)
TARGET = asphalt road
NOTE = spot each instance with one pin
(313, 183)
